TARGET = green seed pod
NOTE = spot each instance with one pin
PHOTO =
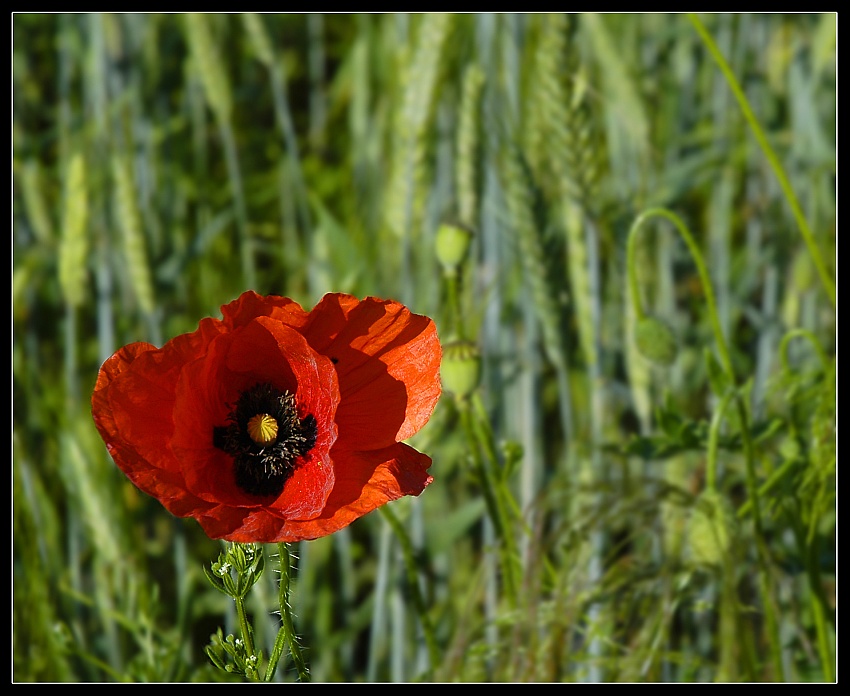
(656, 341)
(453, 242)
(711, 527)
(461, 368)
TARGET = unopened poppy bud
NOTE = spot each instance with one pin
(461, 368)
(711, 528)
(656, 341)
(453, 241)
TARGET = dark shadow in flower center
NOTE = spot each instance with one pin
(264, 459)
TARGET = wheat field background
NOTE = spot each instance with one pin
(594, 516)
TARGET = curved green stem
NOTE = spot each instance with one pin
(631, 270)
(802, 333)
(714, 439)
(827, 282)
(722, 347)
(485, 464)
(743, 413)
(705, 279)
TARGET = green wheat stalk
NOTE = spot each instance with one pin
(74, 246)
(207, 60)
(467, 145)
(826, 280)
(35, 204)
(420, 80)
(520, 202)
(132, 235)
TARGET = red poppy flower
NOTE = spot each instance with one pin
(275, 424)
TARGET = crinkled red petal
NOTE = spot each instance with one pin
(388, 364)
(243, 525)
(249, 305)
(364, 482)
(115, 404)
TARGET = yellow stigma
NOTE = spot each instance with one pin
(263, 429)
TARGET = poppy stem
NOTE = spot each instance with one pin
(739, 404)
(244, 626)
(714, 441)
(484, 456)
(286, 635)
(453, 308)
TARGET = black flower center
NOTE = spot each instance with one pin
(265, 437)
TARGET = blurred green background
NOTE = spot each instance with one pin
(164, 163)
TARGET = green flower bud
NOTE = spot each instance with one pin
(711, 527)
(656, 341)
(453, 241)
(461, 368)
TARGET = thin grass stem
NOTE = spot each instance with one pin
(827, 282)
(413, 582)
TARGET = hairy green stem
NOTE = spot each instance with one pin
(244, 626)
(286, 634)
(827, 281)
(501, 493)
(696, 255)
(484, 464)
(453, 307)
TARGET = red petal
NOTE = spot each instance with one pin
(263, 350)
(122, 417)
(101, 412)
(249, 305)
(364, 482)
(243, 525)
(388, 363)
